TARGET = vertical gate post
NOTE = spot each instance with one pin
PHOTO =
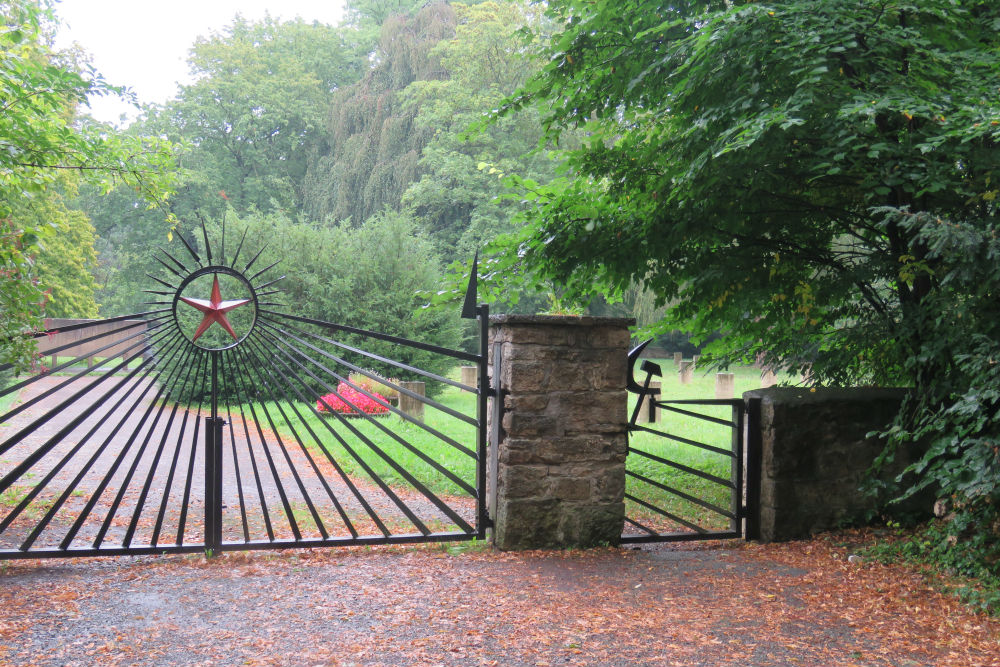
(213, 466)
(739, 444)
(751, 486)
(484, 513)
(560, 428)
(213, 483)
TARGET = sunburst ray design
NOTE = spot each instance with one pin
(157, 432)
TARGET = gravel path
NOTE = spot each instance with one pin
(717, 605)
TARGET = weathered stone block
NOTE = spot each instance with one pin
(560, 460)
(526, 523)
(520, 425)
(524, 481)
(571, 488)
(410, 405)
(470, 375)
(564, 449)
(611, 485)
(725, 384)
(815, 456)
(526, 403)
(592, 525)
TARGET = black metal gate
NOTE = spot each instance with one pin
(685, 467)
(210, 425)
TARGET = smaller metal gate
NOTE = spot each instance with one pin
(685, 468)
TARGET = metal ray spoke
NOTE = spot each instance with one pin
(427, 493)
(228, 386)
(193, 431)
(382, 427)
(370, 472)
(47, 416)
(285, 333)
(72, 486)
(456, 354)
(170, 384)
(295, 474)
(247, 400)
(51, 442)
(346, 479)
(69, 456)
(275, 476)
(108, 475)
(319, 474)
(189, 478)
(348, 482)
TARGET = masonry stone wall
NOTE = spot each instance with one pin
(815, 455)
(557, 475)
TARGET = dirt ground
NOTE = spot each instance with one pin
(711, 604)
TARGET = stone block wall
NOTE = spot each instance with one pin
(815, 456)
(557, 476)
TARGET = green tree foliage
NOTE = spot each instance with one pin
(39, 139)
(366, 17)
(128, 235)
(787, 172)
(65, 262)
(457, 198)
(374, 143)
(254, 113)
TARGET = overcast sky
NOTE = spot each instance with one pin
(143, 44)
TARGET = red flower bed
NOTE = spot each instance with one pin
(338, 402)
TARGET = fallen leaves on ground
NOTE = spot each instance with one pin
(715, 604)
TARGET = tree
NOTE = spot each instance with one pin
(456, 198)
(40, 139)
(749, 161)
(791, 173)
(374, 144)
(366, 18)
(365, 276)
(65, 261)
(255, 112)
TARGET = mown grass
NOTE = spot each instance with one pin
(7, 400)
(702, 386)
(354, 455)
(408, 448)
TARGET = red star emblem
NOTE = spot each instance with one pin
(215, 310)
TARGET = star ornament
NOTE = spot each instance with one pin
(214, 310)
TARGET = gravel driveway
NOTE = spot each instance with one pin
(723, 604)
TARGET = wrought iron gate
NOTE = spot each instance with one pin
(211, 424)
(685, 467)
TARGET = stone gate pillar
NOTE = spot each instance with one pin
(557, 471)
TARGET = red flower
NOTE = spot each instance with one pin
(346, 396)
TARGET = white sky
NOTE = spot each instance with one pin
(143, 44)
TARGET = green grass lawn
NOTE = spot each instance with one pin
(412, 448)
(423, 449)
(719, 465)
(7, 400)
